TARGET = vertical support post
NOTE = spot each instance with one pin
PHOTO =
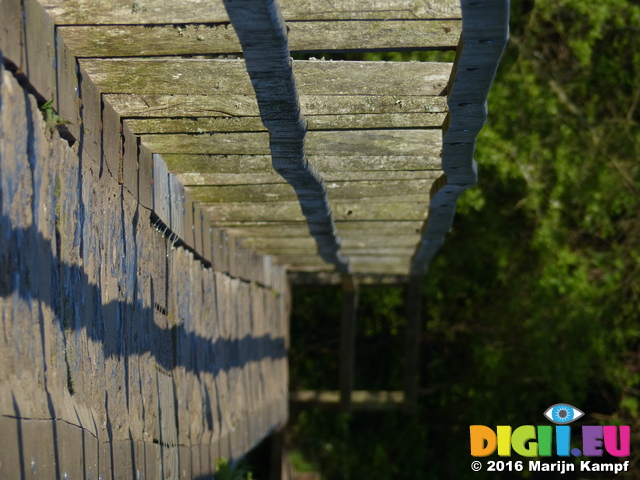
(412, 343)
(347, 339)
(277, 454)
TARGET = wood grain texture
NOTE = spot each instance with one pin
(232, 105)
(254, 124)
(419, 189)
(423, 143)
(94, 12)
(358, 209)
(262, 163)
(186, 77)
(201, 179)
(206, 39)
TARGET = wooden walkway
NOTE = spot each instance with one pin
(247, 166)
(374, 130)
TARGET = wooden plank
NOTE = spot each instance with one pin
(363, 240)
(347, 340)
(161, 201)
(130, 161)
(177, 206)
(12, 42)
(212, 105)
(355, 259)
(412, 343)
(112, 142)
(94, 12)
(70, 450)
(262, 163)
(426, 143)
(68, 92)
(339, 190)
(306, 279)
(346, 227)
(145, 177)
(40, 50)
(357, 209)
(91, 117)
(184, 76)
(360, 399)
(315, 36)
(11, 456)
(317, 122)
(201, 179)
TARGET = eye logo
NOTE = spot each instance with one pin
(563, 413)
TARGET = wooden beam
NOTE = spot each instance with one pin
(347, 340)
(307, 36)
(325, 163)
(360, 399)
(412, 343)
(122, 12)
(323, 278)
(201, 179)
(245, 105)
(225, 124)
(278, 192)
(419, 143)
(361, 209)
(185, 77)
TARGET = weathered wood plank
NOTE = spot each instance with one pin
(301, 279)
(93, 12)
(199, 179)
(258, 164)
(12, 32)
(185, 76)
(356, 259)
(359, 269)
(40, 50)
(341, 142)
(404, 252)
(284, 192)
(359, 209)
(398, 226)
(356, 244)
(205, 39)
(315, 122)
(360, 399)
(212, 105)
(362, 240)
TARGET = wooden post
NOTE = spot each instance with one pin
(347, 339)
(412, 333)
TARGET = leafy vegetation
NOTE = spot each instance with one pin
(232, 471)
(535, 297)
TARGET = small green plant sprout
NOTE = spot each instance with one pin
(51, 118)
(232, 471)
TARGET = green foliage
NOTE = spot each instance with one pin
(535, 297)
(51, 118)
(232, 471)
